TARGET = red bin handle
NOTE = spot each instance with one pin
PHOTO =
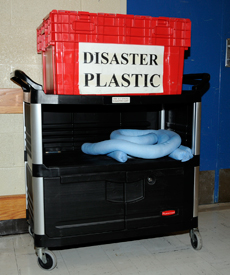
(83, 26)
(83, 23)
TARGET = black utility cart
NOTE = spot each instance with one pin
(78, 199)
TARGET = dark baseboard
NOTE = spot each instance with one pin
(224, 186)
(12, 227)
(206, 187)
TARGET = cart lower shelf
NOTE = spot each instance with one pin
(137, 198)
(75, 162)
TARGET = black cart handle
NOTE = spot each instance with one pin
(199, 81)
(26, 83)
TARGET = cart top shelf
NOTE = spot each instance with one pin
(33, 93)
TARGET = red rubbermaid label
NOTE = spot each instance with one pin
(168, 213)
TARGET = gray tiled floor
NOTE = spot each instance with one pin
(161, 256)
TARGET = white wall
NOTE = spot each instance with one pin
(18, 22)
(11, 155)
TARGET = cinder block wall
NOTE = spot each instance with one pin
(19, 20)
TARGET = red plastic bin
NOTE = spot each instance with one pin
(112, 54)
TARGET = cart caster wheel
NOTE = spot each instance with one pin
(196, 240)
(51, 260)
(30, 230)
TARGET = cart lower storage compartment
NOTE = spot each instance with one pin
(118, 201)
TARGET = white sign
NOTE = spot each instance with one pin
(120, 99)
(120, 68)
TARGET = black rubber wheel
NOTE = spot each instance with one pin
(30, 230)
(51, 261)
(196, 240)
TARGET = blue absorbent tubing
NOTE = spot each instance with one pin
(145, 144)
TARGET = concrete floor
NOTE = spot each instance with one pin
(171, 255)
